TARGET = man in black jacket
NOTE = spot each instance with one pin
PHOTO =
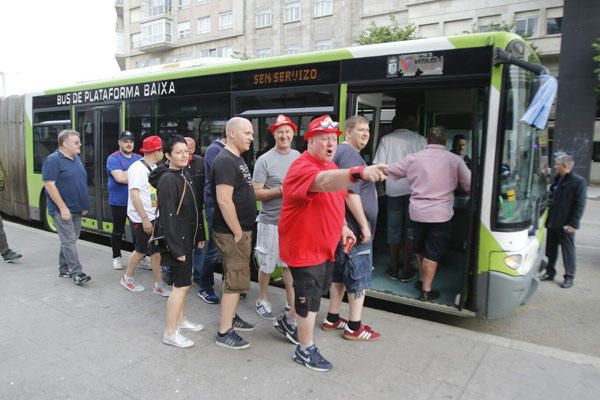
(567, 195)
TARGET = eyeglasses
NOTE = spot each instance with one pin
(329, 124)
(327, 138)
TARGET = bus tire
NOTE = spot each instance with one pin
(45, 217)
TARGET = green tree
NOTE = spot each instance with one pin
(502, 27)
(390, 33)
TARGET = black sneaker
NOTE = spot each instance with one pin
(232, 340)
(428, 296)
(311, 358)
(407, 276)
(81, 278)
(10, 256)
(241, 325)
(286, 329)
(65, 275)
(243, 296)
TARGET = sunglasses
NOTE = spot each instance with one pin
(329, 124)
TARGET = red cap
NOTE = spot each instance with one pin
(280, 121)
(150, 144)
(322, 124)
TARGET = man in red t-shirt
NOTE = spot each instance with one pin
(310, 226)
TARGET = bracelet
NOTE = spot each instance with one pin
(356, 173)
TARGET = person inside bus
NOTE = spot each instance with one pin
(433, 175)
(459, 147)
(395, 147)
(181, 224)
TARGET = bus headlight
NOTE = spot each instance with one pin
(513, 261)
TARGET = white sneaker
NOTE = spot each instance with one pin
(117, 263)
(263, 308)
(177, 340)
(130, 284)
(190, 326)
(161, 289)
(145, 264)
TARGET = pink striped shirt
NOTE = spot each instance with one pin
(433, 174)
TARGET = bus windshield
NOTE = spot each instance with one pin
(520, 180)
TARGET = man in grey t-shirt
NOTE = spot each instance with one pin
(269, 173)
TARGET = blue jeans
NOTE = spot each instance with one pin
(211, 257)
(197, 261)
(68, 233)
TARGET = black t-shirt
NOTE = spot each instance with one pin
(232, 170)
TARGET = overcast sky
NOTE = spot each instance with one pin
(50, 43)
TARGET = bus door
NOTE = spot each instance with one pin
(302, 105)
(99, 129)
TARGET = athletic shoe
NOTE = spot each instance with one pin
(130, 284)
(177, 340)
(65, 275)
(331, 326)
(190, 326)
(286, 329)
(241, 325)
(263, 308)
(407, 276)
(117, 263)
(81, 278)
(10, 256)
(232, 340)
(363, 333)
(311, 358)
(243, 296)
(208, 296)
(428, 296)
(391, 275)
(162, 290)
(145, 264)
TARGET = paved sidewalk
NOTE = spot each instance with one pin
(60, 341)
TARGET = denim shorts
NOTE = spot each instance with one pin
(354, 270)
(399, 228)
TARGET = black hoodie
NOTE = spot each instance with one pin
(182, 231)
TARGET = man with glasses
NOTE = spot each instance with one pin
(117, 165)
(311, 224)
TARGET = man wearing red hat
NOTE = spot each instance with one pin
(269, 172)
(141, 211)
(311, 224)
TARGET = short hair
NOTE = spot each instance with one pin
(405, 122)
(234, 123)
(455, 140)
(64, 135)
(565, 160)
(171, 141)
(437, 135)
(355, 120)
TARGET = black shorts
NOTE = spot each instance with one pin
(140, 240)
(177, 274)
(310, 284)
(431, 239)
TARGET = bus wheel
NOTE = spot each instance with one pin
(47, 221)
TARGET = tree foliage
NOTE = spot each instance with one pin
(503, 27)
(391, 33)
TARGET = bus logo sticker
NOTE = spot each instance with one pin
(415, 65)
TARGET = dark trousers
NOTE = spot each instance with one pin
(566, 241)
(119, 216)
(204, 273)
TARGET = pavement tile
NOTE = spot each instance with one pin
(447, 391)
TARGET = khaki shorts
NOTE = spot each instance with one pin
(236, 261)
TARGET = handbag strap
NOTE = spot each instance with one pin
(182, 194)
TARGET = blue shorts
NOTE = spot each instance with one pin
(399, 228)
(354, 270)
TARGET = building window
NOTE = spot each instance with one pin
(225, 20)
(153, 61)
(204, 25)
(554, 26)
(183, 4)
(292, 11)
(136, 40)
(201, 1)
(322, 8)
(291, 49)
(488, 28)
(262, 53)
(183, 30)
(156, 32)
(263, 19)
(217, 52)
(324, 44)
(152, 8)
(526, 26)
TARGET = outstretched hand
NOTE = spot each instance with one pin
(375, 173)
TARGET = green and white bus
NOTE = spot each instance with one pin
(476, 85)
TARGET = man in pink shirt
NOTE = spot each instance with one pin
(433, 174)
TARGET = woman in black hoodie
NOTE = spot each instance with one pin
(180, 219)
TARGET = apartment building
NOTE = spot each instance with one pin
(152, 32)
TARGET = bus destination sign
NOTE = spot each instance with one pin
(299, 75)
(415, 65)
(116, 93)
(285, 76)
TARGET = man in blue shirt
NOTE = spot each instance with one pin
(117, 165)
(65, 181)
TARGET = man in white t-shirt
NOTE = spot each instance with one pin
(141, 210)
(394, 147)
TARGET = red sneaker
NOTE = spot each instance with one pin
(331, 326)
(363, 333)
